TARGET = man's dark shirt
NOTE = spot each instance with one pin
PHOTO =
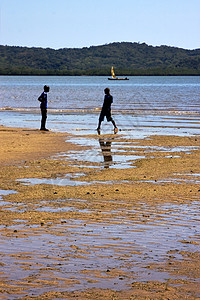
(43, 100)
(108, 100)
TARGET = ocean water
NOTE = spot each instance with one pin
(142, 106)
(143, 93)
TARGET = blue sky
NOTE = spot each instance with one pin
(83, 23)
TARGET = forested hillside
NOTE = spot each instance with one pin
(127, 59)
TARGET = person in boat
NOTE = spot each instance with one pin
(106, 111)
(43, 107)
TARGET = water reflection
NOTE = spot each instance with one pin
(105, 145)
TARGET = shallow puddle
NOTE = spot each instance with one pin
(64, 181)
(53, 181)
(6, 192)
(175, 180)
(111, 152)
(103, 153)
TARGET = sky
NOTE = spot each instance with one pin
(83, 23)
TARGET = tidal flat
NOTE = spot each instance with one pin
(125, 226)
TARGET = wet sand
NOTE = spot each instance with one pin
(81, 229)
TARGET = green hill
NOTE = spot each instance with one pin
(127, 58)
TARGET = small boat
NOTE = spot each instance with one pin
(114, 76)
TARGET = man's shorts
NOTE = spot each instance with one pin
(107, 114)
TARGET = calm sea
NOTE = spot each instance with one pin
(74, 102)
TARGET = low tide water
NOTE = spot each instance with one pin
(177, 93)
(86, 92)
(74, 102)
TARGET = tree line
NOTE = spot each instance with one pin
(127, 58)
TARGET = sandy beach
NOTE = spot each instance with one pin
(74, 229)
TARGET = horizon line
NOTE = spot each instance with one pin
(100, 45)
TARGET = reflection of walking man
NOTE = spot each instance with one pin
(106, 151)
(106, 111)
(43, 107)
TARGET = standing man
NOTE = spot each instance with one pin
(43, 107)
(106, 111)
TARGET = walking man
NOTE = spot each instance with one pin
(106, 111)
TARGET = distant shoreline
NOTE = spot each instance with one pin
(85, 75)
(127, 58)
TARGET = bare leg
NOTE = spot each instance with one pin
(99, 126)
(114, 123)
(115, 127)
